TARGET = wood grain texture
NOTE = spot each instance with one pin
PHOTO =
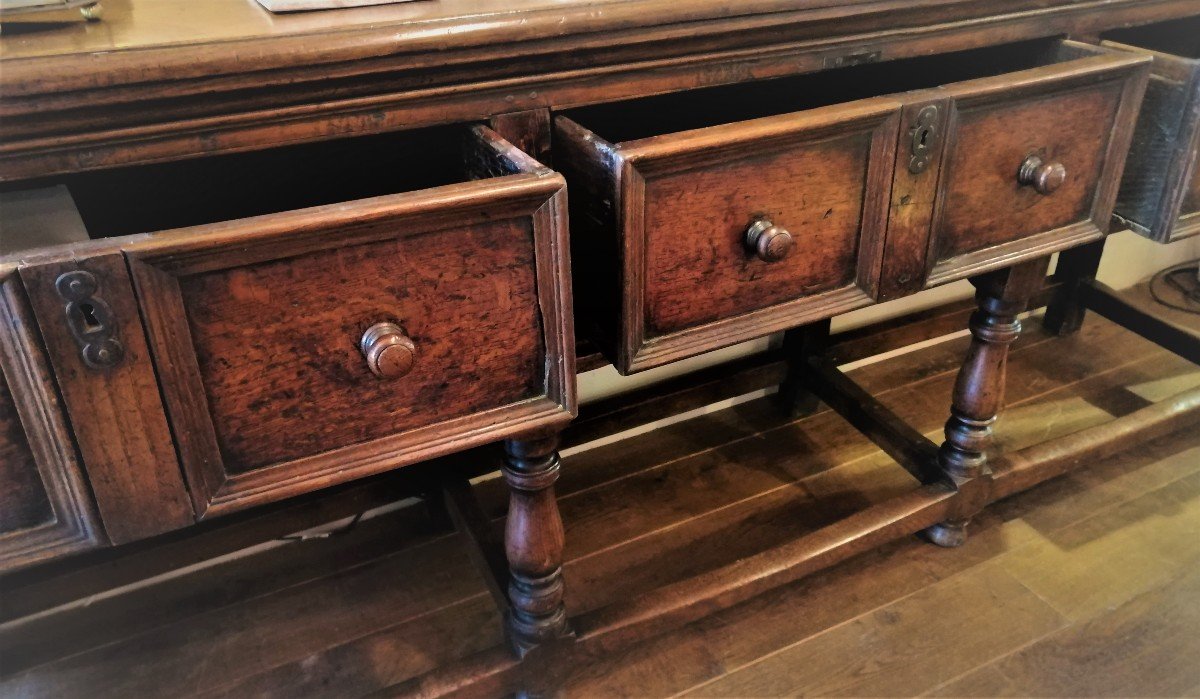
(46, 507)
(695, 228)
(223, 80)
(529, 131)
(912, 200)
(1081, 111)
(979, 392)
(105, 569)
(678, 212)
(533, 544)
(25, 503)
(676, 205)
(1181, 338)
(252, 324)
(985, 204)
(116, 414)
(899, 649)
(256, 325)
(276, 342)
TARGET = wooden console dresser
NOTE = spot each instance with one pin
(313, 248)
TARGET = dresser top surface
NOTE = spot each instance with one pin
(140, 24)
(163, 79)
(133, 25)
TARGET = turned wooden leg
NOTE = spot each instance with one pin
(979, 392)
(1065, 312)
(533, 543)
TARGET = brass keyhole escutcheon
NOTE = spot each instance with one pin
(924, 139)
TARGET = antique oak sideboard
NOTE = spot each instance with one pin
(302, 250)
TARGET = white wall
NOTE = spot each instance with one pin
(1128, 259)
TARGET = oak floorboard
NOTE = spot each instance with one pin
(1139, 649)
(1102, 562)
(1135, 628)
(1091, 491)
(24, 643)
(902, 648)
(264, 632)
(378, 659)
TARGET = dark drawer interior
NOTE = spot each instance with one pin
(654, 116)
(1180, 37)
(162, 196)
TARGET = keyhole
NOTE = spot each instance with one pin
(924, 137)
(91, 324)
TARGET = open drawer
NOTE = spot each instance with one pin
(714, 216)
(1160, 192)
(312, 336)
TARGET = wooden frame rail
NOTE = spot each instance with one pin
(944, 496)
(1104, 300)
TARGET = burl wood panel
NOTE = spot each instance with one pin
(255, 325)
(277, 343)
(668, 214)
(23, 501)
(984, 203)
(698, 267)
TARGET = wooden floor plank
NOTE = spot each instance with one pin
(24, 644)
(1139, 649)
(1090, 492)
(1134, 641)
(704, 650)
(903, 648)
(1102, 562)
(265, 632)
(362, 665)
(785, 616)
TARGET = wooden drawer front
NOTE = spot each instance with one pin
(257, 324)
(277, 342)
(881, 195)
(687, 200)
(46, 509)
(1077, 116)
(1160, 191)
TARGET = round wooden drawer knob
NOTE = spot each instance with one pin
(1045, 177)
(389, 352)
(769, 242)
